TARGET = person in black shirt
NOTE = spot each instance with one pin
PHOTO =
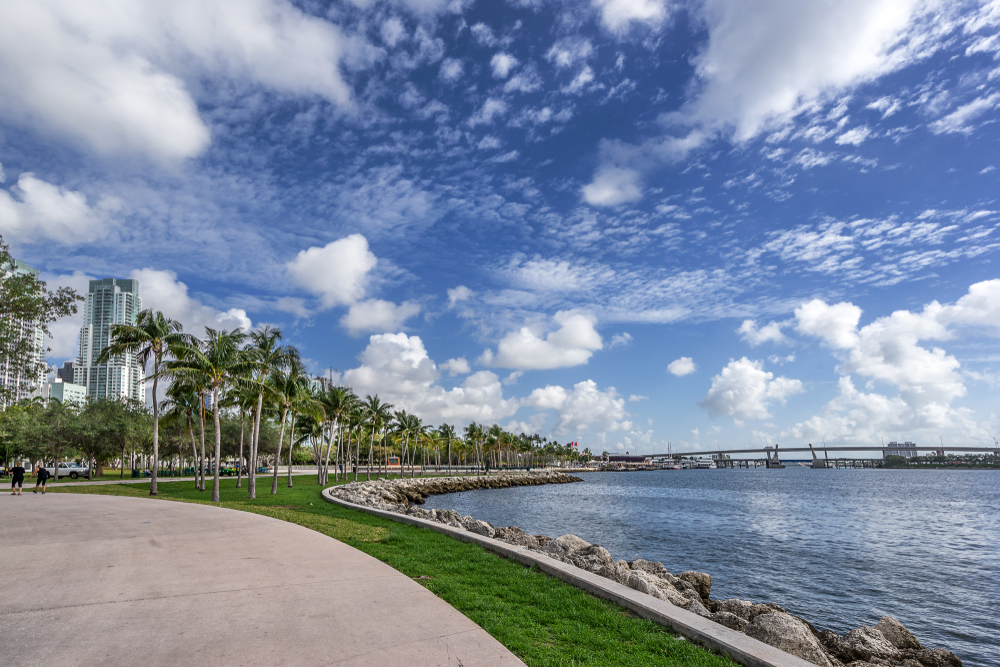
(43, 476)
(17, 480)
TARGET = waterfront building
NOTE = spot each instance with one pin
(24, 385)
(109, 301)
(905, 449)
(64, 392)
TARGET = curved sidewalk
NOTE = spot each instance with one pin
(101, 580)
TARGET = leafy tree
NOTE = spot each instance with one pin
(25, 303)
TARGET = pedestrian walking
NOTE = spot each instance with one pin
(43, 476)
(17, 479)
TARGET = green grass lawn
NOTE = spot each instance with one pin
(544, 621)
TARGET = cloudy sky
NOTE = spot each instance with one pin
(622, 222)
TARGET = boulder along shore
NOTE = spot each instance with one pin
(886, 644)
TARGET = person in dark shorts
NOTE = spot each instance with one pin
(16, 480)
(43, 476)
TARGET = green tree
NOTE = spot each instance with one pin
(267, 357)
(25, 303)
(149, 339)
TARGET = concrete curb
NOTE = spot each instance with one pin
(730, 643)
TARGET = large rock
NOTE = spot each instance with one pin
(865, 643)
(478, 527)
(897, 635)
(737, 607)
(649, 584)
(572, 543)
(516, 536)
(696, 607)
(766, 608)
(933, 657)
(702, 582)
(730, 620)
(591, 558)
(788, 634)
(618, 572)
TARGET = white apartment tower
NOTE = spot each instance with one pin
(10, 377)
(109, 301)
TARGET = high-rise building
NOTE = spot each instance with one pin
(109, 301)
(66, 372)
(10, 374)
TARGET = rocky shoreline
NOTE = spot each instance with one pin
(886, 644)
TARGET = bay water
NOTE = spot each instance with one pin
(840, 548)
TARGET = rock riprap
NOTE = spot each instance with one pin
(886, 644)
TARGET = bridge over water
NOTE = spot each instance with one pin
(770, 451)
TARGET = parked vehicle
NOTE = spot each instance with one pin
(71, 470)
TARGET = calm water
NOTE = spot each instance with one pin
(837, 547)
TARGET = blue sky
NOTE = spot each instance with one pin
(622, 222)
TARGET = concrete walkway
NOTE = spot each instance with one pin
(100, 580)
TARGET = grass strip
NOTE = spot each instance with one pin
(544, 621)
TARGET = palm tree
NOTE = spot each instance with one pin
(148, 339)
(287, 386)
(303, 403)
(243, 398)
(182, 400)
(269, 357)
(447, 432)
(379, 414)
(220, 360)
(337, 401)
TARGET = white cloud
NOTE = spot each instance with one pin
(836, 325)
(958, 121)
(377, 315)
(502, 64)
(888, 351)
(39, 211)
(512, 378)
(160, 290)
(337, 272)
(569, 51)
(635, 398)
(121, 66)
(451, 69)
(855, 136)
(393, 31)
(744, 390)
(456, 367)
(398, 369)
(613, 186)
(764, 64)
(769, 333)
(458, 294)
(618, 15)
(64, 343)
(491, 108)
(683, 366)
(621, 340)
(572, 344)
(580, 81)
(583, 409)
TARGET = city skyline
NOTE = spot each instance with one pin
(619, 223)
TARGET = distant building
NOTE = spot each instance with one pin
(64, 392)
(66, 372)
(624, 461)
(26, 386)
(109, 301)
(905, 449)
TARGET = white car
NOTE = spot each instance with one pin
(71, 470)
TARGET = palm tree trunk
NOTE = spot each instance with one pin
(194, 450)
(291, 446)
(254, 440)
(449, 456)
(156, 428)
(329, 445)
(371, 453)
(218, 444)
(277, 454)
(201, 461)
(239, 462)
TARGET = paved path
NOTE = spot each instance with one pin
(100, 580)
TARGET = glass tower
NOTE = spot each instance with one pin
(109, 301)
